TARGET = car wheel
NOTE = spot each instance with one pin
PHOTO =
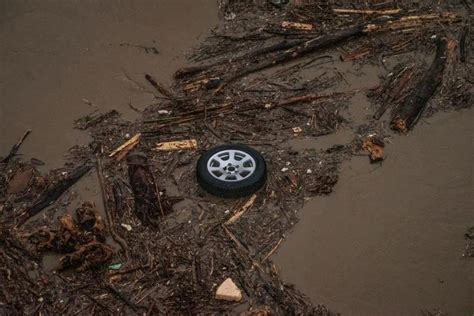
(231, 171)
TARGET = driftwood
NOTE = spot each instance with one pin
(160, 88)
(150, 204)
(394, 90)
(93, 119)
(412, 21)
(16, 147)
(120, 152)
(177, 145)
(297, 26)
(286, 51)
(409, 113)
(285, 44)
(381, 12)
(105, 200)
(53, 193)
(309, 98)
(299, 51)
(244, 208)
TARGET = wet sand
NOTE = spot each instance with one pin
(54, 54)
(388, 240)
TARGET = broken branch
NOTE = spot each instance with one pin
(409, 113)
(16, 147)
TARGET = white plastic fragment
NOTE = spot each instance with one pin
(309, 171)
(284, 169)
(228, 291)
(126, 226)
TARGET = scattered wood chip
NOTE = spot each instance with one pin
(207, 83)
(297, 130)
(296, 26)
(121, 151)
(293, 179)
(177, 145)
(242, 210)
(375, 148)
(228, 291)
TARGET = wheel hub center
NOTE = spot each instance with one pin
(230, 168)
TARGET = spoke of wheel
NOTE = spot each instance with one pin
(220, 161)
(223, 176)
(214, 169)
(247, 159)
(232, 157)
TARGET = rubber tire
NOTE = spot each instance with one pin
(231, 189)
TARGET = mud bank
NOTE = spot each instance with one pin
(62, 60)
(388, 240)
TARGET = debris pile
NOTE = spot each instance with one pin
(272, 73)
(81, 240)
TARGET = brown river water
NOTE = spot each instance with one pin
(387, 241)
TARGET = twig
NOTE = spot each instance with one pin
(115, 236)
(381, 12)
(462, 43)
(242, 210)
(272, 251)
(16, 147)
(160, 88)
(241, 247)
(99, 303)
(121, 297)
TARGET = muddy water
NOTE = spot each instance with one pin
(60, 60)
(54, 54)
(388, 240)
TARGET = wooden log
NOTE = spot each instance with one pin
(149, 203)
(53, 193)
(296, 52)
(285, 44)
(406, 117)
